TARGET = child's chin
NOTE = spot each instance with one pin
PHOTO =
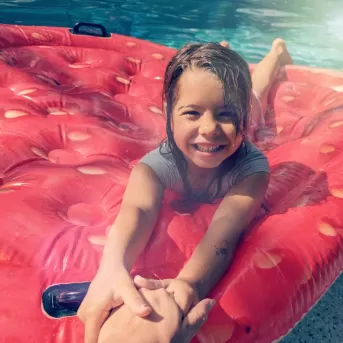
(207, 164)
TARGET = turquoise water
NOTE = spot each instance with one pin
(312, 28)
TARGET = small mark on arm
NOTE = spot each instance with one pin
(223, 250)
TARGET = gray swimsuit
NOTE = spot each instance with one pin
(250, 160)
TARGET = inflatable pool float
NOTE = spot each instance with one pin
(77, 112)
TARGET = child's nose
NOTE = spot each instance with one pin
(208, 125)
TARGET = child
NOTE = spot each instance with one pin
(207, 157)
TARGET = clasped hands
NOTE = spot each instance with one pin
(118, 309)
(184, 294)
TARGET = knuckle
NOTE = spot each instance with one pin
(81, 312)
(190, 290)
(81, 316)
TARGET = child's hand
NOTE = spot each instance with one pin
(109, 290)
(184, 294)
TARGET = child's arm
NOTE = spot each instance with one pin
(112, 285)
(212, 257)
(135, 222)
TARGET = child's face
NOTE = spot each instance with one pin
(202, 127)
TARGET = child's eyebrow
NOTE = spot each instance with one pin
(224, 107)
(191, 105)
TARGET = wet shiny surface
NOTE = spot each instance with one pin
(312, 28)
(74, 120)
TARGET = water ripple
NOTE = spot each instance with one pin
(312, 28)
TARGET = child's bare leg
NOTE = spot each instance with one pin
(225, 44)
(266, 71)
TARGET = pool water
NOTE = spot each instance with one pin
(312, 28)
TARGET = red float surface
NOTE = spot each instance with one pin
(77, 112)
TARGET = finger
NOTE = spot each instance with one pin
(93, 325)
(195, 319)
(132, 298)
(151, 284)
(185, 297)
(81, 312)
(183, 300)
(197, 316)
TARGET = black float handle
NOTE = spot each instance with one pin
(90, 29)
(64, 300)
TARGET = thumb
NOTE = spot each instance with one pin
(151, 284)
(133, 298)
(197, 317)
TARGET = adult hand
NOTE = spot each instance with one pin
(110, 288)
(187, 299)
(185, 295)
(193, 322)
(163, 325)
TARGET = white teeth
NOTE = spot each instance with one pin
(207, 149)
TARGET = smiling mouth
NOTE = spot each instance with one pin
(202, 148)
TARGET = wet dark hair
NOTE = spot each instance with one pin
(233, 72)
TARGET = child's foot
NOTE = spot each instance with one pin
(225, 44)
(280, 48)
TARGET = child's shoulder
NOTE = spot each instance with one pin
(251, 152)
(162, 162)
(159, 156)
(250, 160)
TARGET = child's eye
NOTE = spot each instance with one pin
(226, 115)
(191, 113)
